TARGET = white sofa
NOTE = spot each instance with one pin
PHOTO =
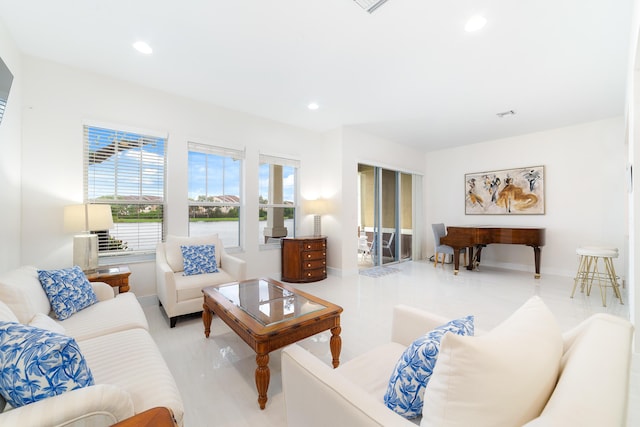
(129, 372)
(589, 389)
(179, 294)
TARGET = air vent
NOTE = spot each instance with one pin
(506, 113)
(370, 5)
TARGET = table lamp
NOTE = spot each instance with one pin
(86, 218)
(316, 207)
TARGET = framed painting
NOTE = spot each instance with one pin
(517, 191)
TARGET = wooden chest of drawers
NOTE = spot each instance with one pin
(304, 259)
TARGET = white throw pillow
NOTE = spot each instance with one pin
(503, 378)
(6, 314)
(173, 251)
(20, 289)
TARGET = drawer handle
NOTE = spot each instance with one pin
(309, 256)
(308, 265)
(308, 274)
(308, 246)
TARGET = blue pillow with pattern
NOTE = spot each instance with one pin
(405, 392)
(36, 364)
(68, 290)
(199, 259)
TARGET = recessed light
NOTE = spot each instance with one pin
(475, 23)
(313, 106)
(143, 47)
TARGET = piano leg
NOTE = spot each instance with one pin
(536, 255)
(456, 261)
(474, 257)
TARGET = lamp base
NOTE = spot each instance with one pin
(85, 251)
(317, 226)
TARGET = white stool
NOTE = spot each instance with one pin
(588, 271)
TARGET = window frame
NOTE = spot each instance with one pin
(159, 174)
(284, 162)
(225, 153)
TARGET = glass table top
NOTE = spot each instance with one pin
(267, 302)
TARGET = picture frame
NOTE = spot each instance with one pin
(516, 191)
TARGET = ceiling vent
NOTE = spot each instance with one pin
(370, 5)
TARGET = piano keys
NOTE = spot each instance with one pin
(477, 237)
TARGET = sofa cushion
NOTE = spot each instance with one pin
(174, 253)
(370, 371)
(45, 322)
(405, 393)
(36, 364)
(21, 290)
(502, 378)
(117, 314)
(199, 259)
(145, 375)
(68, 289)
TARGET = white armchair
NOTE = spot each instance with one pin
(179, 294)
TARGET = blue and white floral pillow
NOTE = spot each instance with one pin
(36, 364)
(199, 259)
(68, 290)
(405, 392)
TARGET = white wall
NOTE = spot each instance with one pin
(585, 192)
(359, 147)
(10, 147)
(58, 99)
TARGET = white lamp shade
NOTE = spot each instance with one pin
(317, 206)
(87, 217)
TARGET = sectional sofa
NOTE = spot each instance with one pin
(523, 372)
(129, 373)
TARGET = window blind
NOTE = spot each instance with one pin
(127, 171)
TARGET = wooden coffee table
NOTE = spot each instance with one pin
(269, 315)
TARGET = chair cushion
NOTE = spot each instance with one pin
(199, 259)
(502, 378)
(68, 289)
(190, 287)
(21, 290)
(405, 393)
(174, 252)
(36, 364)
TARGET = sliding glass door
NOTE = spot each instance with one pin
(385, 216)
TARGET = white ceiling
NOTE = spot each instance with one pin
(408, 72)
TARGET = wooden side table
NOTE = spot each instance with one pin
(116, 276)
(154, 417)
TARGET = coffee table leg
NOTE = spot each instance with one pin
(206, 319)
(336, 345)
(263, 375)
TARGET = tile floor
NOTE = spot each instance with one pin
(216, 375)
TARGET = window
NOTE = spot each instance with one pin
(277, 198)
(127, 171)
(214, 192)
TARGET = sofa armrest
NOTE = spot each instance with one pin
(98, 405)
(317, 395)
(103, 291)
(235, 266)
(409, 323)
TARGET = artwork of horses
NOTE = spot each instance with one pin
(505, 192)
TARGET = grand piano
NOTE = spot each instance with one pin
(477, 237)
